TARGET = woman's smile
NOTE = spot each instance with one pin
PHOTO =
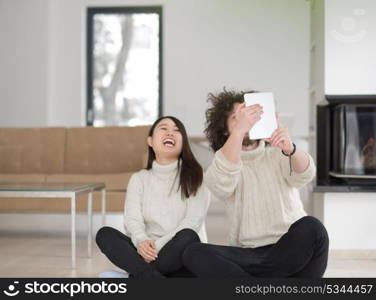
(169, 142)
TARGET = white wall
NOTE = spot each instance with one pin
(350, 65)
(208, 44)
(350, 219)
(23, 63)
(260, 45)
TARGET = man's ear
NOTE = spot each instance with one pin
(149, 141)
(226, 132)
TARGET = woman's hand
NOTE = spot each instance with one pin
(246, 117)
(281, 138)
(147, 250)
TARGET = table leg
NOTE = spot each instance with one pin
(103, 207)
(73, 230)
(90, 222)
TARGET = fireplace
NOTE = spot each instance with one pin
(346, 144)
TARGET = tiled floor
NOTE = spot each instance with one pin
(48, 255)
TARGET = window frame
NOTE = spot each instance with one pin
(90, 13)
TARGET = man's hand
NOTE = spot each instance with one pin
(281, 138)
(239, 123)
(147, 250)
(246, 117)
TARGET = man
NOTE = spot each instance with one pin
(270, 233)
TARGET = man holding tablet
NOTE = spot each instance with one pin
(257, 171)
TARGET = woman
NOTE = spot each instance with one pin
(270, 234)
(165, 208)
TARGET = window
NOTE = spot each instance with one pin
(124, 65)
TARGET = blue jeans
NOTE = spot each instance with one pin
(300, 252)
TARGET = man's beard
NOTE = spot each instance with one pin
(248, 142)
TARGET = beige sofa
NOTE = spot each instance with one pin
(87, 154)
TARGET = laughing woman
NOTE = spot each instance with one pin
(165, 208)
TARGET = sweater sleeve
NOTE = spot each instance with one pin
(133, 218)
(197, 208)
(297, 180)
(222, 176)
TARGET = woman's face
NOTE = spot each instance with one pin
(167, 140)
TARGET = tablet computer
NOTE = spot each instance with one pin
(265, 127)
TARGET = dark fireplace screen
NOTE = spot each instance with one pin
(354, 141)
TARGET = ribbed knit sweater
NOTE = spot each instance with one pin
(155, 210)
(261, 196)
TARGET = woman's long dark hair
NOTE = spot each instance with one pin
(190, 170)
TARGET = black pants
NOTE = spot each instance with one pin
(301, 252)
(120, 250)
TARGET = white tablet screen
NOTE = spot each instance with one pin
(265, 127)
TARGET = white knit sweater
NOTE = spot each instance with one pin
(261, 196)
(155, 210)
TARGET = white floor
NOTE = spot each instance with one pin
(47, 254)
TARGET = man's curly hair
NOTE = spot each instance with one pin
(216, 116)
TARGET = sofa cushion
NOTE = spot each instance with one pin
(117, 182)
(32, 150)
(105, 150)
(10, 178)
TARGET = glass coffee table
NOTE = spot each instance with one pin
(61, 190)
